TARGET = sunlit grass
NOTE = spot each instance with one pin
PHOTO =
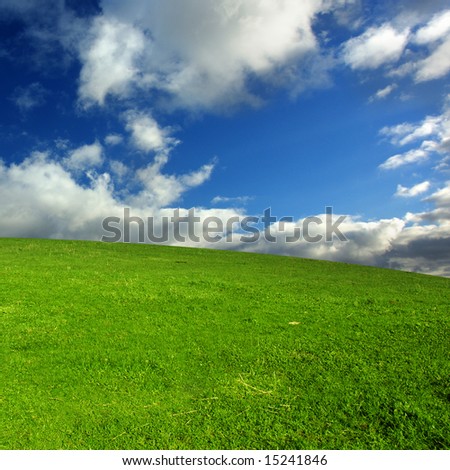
(144, 347)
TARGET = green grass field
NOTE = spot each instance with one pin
(114, 346)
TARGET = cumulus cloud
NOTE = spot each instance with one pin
(118, 169)
(199, 53)
(113, 139)
(432, 134)
(160, 189)
(410, 243)
(437, 28)
(437, 65)
(428, 56)
(146, 133)
(424, 245)
(171, 47)
(198, 177)
(406, 133)
(415, 190)
(366, 242)
(42, 196)
(442, 197)
(85, 157)
(109, 57)
(375, 47)
(41, 199)
(441, 212)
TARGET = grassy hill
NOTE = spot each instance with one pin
(113, 346)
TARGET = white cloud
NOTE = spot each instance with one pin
(415, 190)
(118, 168)
(430, 126)
(426, 248)
(198, 52)
(441, 198)
(146, 133)
(437, 65)
(428, 57)
(113, 139)
(406, 133)
(440, 214)
(437, 28)
(397, 132)
(41, 199)
(85, 157)
(109, 57)
(433, 133)
(198, 177)
(412, 156)
(383, 92)
(367, 242)
(375, 47)
(162, 190)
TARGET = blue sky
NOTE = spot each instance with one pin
(231, 107)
